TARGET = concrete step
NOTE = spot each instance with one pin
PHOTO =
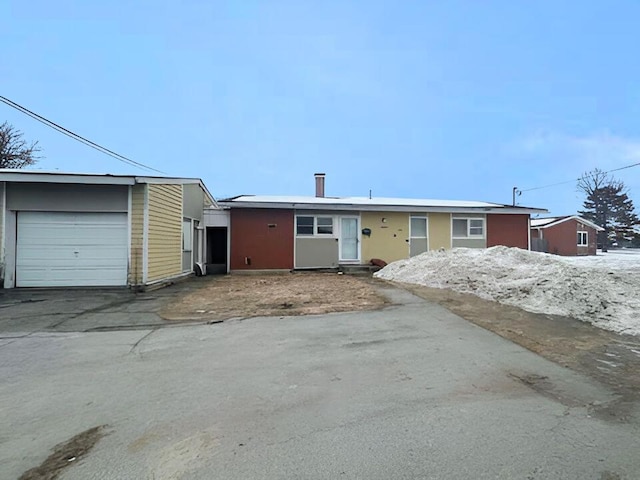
(358, 269)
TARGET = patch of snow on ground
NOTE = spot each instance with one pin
(603, 289)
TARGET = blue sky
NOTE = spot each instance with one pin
(455, 100)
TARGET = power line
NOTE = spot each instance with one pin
(577, 179)
(77, 137)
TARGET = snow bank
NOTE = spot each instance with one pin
(603, 290)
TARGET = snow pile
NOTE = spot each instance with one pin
(603, 290)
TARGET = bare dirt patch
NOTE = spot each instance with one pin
(65, 454)
(246, 296)
(611, 358)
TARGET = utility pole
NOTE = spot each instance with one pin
(515, 192)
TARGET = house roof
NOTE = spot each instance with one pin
(541, 222)
(39, 176)
(551, 221)
(376, 203)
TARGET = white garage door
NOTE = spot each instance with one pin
(55, 249)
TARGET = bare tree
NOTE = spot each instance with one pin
(15, 151)
(608, 205)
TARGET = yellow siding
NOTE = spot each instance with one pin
(439, 231)
(165, 232)
(2, 241)
(388, 240)
(137, 234)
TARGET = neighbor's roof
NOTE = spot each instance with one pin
(551, 221)
(541, 222)
(375, 203)
(40, 176)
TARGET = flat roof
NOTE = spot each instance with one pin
(375, 203)
(41, 176)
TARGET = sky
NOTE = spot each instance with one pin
(419, 99)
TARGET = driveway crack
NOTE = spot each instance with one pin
(135, 347)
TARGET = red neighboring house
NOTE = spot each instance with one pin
(569, 236)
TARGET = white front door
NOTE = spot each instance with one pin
(349, 243)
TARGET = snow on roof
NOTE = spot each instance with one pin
(417, 202)
(540, 222)
(551, 221)
(318, 202)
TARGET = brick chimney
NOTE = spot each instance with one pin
(319, 185)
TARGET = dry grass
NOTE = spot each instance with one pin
(245, 296)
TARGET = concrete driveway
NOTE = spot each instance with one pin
(411, 391)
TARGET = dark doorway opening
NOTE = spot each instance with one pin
(216, 250)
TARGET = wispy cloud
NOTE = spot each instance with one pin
(599, 150)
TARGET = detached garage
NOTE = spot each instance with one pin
(74, 230)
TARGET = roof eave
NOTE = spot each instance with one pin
(36, 177)
(379, 208)
(589, 223)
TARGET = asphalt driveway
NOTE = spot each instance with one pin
(27, 311)
(410, 391)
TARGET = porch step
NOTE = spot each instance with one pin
(358, 269)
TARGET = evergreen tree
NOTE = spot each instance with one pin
(608, 205)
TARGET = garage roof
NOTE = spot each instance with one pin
(38, 176)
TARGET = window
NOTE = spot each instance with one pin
(467, 228)
(308, 225)
(418, 227)
(324, 225)
(186, 235)
(476, 228)
(304, 225)
(459, 227)
(583, 239)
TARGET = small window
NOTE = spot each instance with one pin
(186, 235)
(304, 225)
(467, 227)
(325, 225)
(459, 227)
(418, 227)
(476, 227)
(583, 239)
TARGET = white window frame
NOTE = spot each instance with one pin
(185, 221)
(469, 235)
(188, 226)
(586, 238)
(333, 234)
(305, 235)
(316, 226)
